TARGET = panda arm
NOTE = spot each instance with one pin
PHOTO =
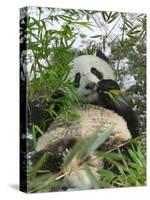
(123, 109)
(119, 105)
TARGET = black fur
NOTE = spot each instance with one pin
(77, 80)
(119, 105)
(97, 73)
(101, 55)
(90, 86)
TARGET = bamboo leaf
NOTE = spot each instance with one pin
(95, 141)
(73, 152)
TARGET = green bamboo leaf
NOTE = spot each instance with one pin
(66, 18)
(38, 165)
(44, 25)
(113, 17)
(124, 161)
(128, 24)
(83, 35)
(132, 36)
(134, 32)
(86, 24)
(104, 15)
(106, 173)
(109, 16)
(135, 157)
(96, 36)
(95, 141)
(33, 136)
(74, 152)
(38, 129)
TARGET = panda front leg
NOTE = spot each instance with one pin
(84, 176)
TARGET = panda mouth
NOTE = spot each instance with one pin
(91, 93)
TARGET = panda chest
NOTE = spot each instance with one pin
(92, 122)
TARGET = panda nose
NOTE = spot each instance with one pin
(90, 85)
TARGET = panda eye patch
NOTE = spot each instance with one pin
(77, 80)
(98, 74)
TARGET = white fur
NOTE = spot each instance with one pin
(83, 65)
(77, 176)
(93, 120)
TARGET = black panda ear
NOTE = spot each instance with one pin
(101, 55)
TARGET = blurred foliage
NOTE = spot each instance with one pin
(49, 39)
(130, 168)
(123, 169)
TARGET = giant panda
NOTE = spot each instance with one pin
(92, 76)
(87, 72)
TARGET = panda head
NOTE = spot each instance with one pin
(86, 72)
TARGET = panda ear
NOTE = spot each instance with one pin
(101, 55)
